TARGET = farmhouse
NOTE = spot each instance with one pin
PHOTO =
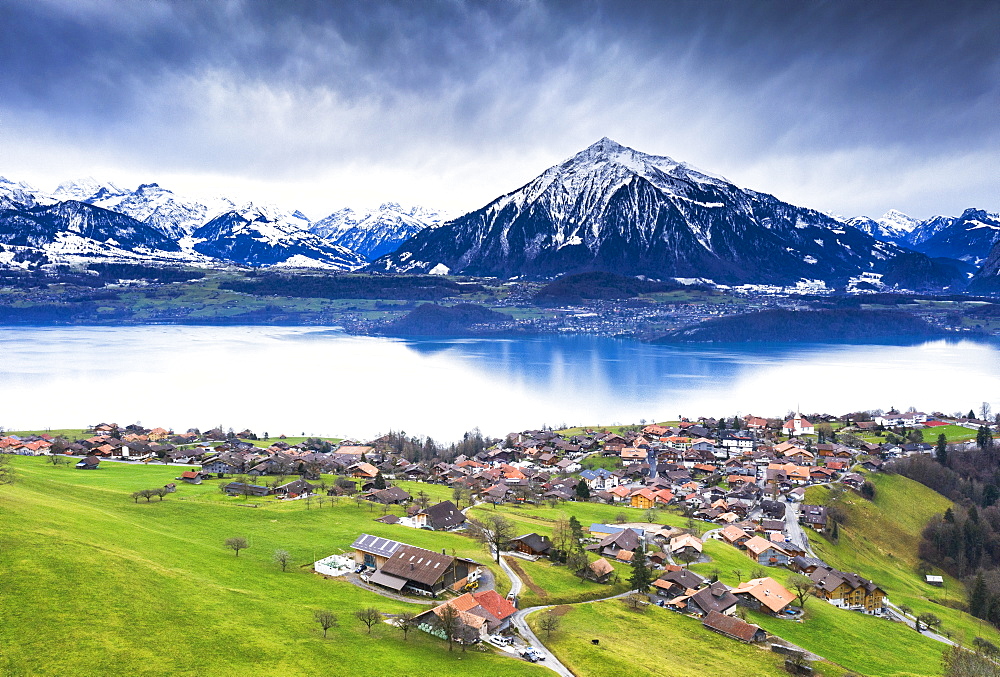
(422, 571)
(485, 612)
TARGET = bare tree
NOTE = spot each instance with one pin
(621, 518)
(495, 530)
(369, 616)
(549, 623)
(237, 543)
(448, 620)
(405, 622)
(136, 495)
(636, 601)
(802, 586)
(326, 619)
(282, 558)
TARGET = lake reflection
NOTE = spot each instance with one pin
(303, 380)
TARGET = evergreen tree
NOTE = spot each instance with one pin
(641, 577)
(576, 529)
(722, 423)
(736, 423)
(583, 490)
(984, 438)
(941, 451)
(972, 414)
(949, 516)
(835, 532)
(379, 482)
(979, 600)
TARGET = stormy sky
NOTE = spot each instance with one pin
(848, 107)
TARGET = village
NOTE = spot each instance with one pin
(686, 495)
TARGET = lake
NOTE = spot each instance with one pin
(314, 381)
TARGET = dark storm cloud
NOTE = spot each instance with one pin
(835, 92)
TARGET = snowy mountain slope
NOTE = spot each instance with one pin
(266, 236)
(893, 226)
(613, 208)
(173, 215)
(375, 233)
(968, 237)
(72, 231)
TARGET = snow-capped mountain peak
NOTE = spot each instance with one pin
(87, 189)
(376, 232)
(610, 207)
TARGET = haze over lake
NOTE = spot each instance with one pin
(295, 380)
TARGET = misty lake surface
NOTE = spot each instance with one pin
(316, 381)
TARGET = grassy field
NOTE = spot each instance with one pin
(95, 584)
(68, 433)
(880, 542)
(653, 643)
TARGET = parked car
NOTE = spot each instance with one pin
(498, 640)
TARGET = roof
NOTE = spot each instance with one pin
(601, 566)
(444, 515)
(757, 545)
(382, 578)
(685, 541)
(417, 564)
(730, 625)
(376, 545)
(534, 541)
(495, 604)
(767, 591)
(716, 597)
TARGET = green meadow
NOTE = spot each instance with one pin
(92, 583)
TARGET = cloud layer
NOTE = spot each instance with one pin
(850, 107)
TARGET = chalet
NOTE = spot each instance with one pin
(599, 478)
(773, 509)
(192, 476)
(754, 422)
(442, 516)
(715, 597)
(599, 571)
(88, 463)
(764, 594)
(422, 571)
(813, 516)
(295, 488)
(766, 552)
(363, 470)
(677, 581)
(734, 536)
(805, 565)
(686, 546)
(733, 627)
(610, 545)
(630, 455)
(644, 498)
(847, 590)
(532, 544)
(243, 489)
(390, 496)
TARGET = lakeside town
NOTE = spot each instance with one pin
(682, 498)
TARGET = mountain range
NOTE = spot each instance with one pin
(78, 222)
(607, 208)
